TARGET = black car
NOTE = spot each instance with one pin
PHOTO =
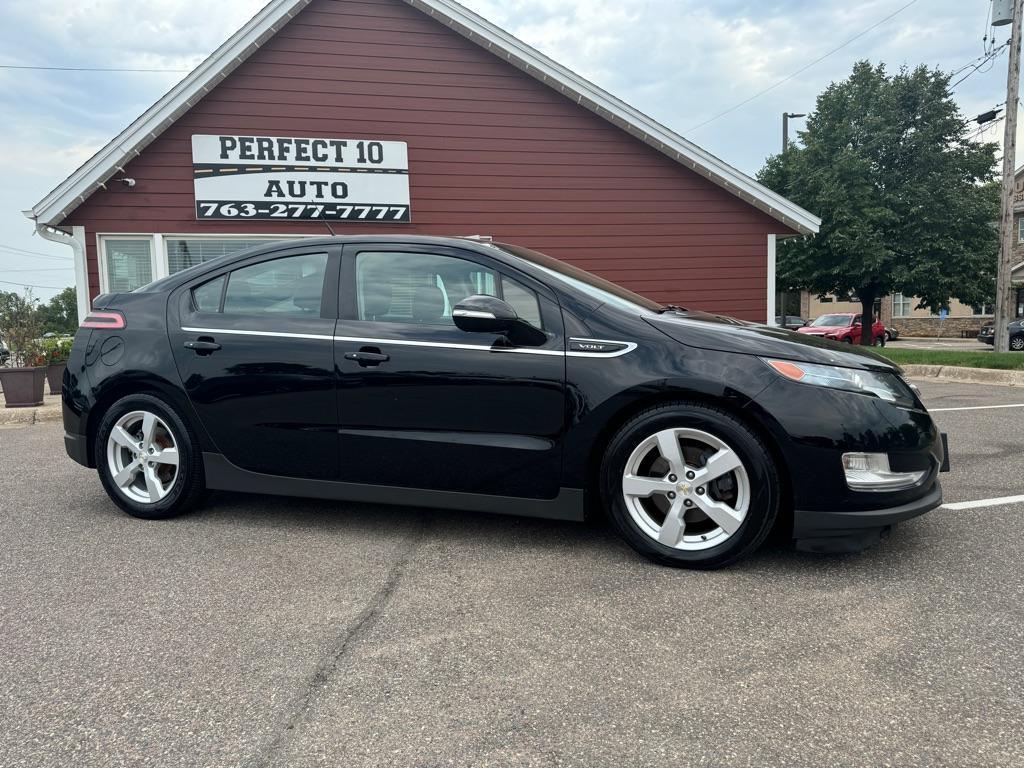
(1015, 329)
(444, 372)
(790, 321)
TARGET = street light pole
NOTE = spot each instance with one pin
(785, 128)
(1004, 301)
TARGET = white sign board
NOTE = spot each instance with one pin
(277, 177)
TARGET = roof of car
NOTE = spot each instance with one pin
(397, 238)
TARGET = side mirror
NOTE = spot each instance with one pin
(484, 314)
(487, 314)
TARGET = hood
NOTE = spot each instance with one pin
(818, 330)
(699, 329)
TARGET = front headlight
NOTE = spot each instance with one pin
(885, 386)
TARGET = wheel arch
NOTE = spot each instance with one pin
(749, 417)
(114, 389)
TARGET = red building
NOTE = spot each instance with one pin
(474, 133)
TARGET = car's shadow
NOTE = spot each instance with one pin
(596, 537)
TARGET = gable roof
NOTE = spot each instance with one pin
(75, 189)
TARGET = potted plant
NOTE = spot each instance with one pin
(23, 380)
(56, 351)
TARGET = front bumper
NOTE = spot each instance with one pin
(853, 530)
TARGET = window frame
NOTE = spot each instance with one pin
(328, 301)
(104, 265)
(158, 249)
(903, 301)
(165, 255)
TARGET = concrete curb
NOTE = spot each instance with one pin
(966, 375)
(50, 410)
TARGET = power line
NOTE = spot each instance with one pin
(22, 252)
(40, 269)
(88, 69)
(30, 285)
(989, 59)
(804, 68)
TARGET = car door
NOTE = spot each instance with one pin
(254, 347)
(423, 404)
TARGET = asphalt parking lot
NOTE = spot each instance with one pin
(276, 632)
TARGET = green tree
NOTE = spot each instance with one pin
(907, 202)
(60, 314)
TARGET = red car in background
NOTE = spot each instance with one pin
(843, 327)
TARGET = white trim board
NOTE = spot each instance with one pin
(74, 190)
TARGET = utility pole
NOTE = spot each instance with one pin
(1005, 310)
(785, 128)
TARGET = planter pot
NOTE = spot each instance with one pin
(23, 387)
(55, 376)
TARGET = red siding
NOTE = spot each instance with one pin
(491, 151)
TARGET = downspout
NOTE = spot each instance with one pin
(55, 235)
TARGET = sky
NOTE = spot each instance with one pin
(683, 62)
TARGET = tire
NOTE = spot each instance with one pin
(848, 339)
(178, 487)
(699, 542)
(1017, 343)
(888, 337)
(880, 341)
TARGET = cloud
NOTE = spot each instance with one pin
(680, 61)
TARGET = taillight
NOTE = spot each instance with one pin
(109, 320)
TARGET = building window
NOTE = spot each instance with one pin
(185, 252)
(983, 309)
(901, 305)
(127, 263)
(1020, 229)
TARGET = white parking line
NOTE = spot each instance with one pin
(984, 502)
(976, 407)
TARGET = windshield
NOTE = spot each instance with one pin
(833, 320)
(596, 287)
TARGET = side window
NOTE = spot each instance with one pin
(292, 285)
(206, 297)
(522, 300)
(424, 287)
(420, 288)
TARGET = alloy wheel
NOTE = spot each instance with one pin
(1017, 343)
(142, 456)
(686, 489)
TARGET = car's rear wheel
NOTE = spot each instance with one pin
(690, 485)
(1017, 343)
(848, 339)
(147, 458)
(880, 341)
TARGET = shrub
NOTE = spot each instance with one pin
(19, 328)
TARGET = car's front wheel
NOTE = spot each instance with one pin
(690, 485)
(147, 458)
(1017, 343)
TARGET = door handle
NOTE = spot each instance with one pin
(202, 346)
(367, 357)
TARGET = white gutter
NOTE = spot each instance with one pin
(78, 248)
